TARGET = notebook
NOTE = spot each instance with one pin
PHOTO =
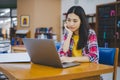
(14, 57)
(44, 52)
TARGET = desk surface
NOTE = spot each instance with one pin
(28, 71)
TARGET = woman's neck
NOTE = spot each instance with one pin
(76, 32)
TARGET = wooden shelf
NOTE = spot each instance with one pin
(18, 48)
(107, 29)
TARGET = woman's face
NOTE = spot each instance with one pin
(73, 22)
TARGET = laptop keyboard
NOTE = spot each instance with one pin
(3, 76)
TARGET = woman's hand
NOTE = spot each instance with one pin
(75, 59)
(66, 59)
(68, 30)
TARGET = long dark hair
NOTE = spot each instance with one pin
(84, 26)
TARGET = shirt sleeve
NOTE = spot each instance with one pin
(92, 48)
(60, 51)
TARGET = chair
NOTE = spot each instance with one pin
(109, 56)
(57, 45)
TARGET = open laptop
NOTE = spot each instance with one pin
(44, 52)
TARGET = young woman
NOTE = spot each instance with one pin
(79, 42)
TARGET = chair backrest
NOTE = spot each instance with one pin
(57, 45)
(109, 56)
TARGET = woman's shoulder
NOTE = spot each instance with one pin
(91, 31)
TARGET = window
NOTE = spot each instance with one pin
(8, 19)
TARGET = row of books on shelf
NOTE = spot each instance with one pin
(104, 43)
(45, 33)
(109, 21)
(103, 27)
(109, 25)
(44, 30)
(107, 12)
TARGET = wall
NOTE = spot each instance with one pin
(88, 5)
(43, 13)
(47, 14)
(26, 7)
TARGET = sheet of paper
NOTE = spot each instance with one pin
(14, 57)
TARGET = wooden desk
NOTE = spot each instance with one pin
(29, 71)
(18, 48)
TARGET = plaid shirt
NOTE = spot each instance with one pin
(90, 50)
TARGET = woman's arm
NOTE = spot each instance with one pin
(64, 49)
(92, 48)
(81, 59)
(75, 59)
(66, 43)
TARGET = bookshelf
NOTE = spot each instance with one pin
(44, 33)
(108, 24)
(16, 39)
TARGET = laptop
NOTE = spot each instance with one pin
(44, 52)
